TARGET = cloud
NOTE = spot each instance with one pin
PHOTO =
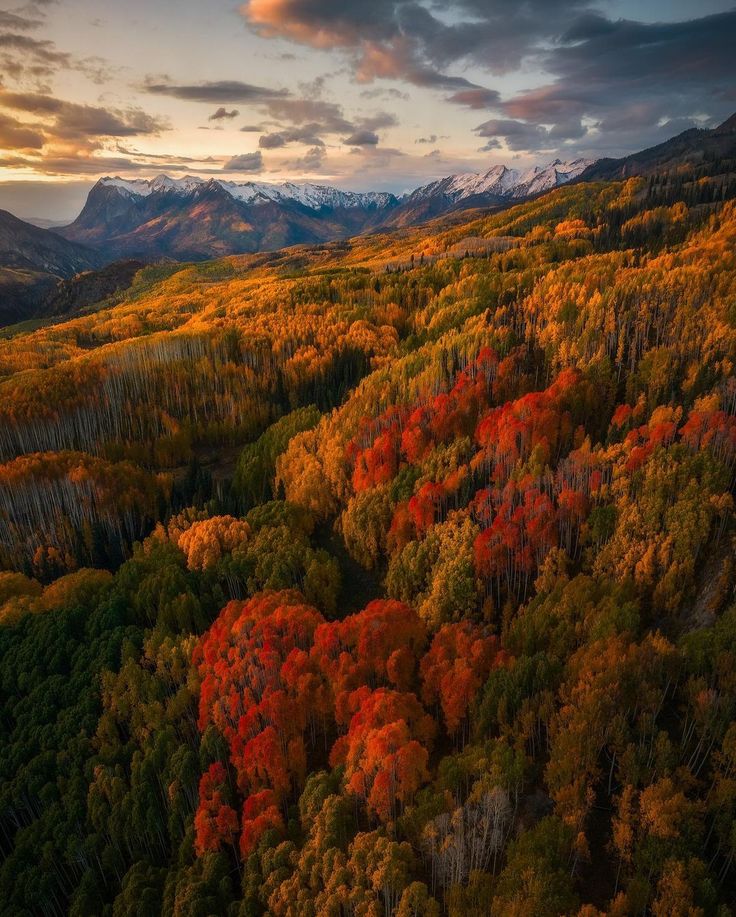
(245, 162)
(519, 135)
(321, 23)
(11, 20)
(380, 92)
(311, 161)
(617, 83)
(599, 84)
(328, 116)
(476, 98)
(37, 55)
(378, 121)
(609, 81)
(273, 141)
(220, 91)
(223, 114)
(24, 57)
(307, 134)
(400, 60)
(313, 89)
(82, 164)
(361, 138)
(403, 39)
(88, 161)
(72, 121)
(387, 39)
(14, 135)
(376, 159)
(330, 120)
(171, 158)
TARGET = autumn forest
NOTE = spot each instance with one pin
(387, 577)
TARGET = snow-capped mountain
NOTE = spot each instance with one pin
(196, 218)
(310, 195)
(502, 182)
(499, 186)
(539, 179)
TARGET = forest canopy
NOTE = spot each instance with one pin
(387, 578)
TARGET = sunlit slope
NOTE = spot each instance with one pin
(198, 357)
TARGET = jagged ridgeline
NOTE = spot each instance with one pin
(391, 576)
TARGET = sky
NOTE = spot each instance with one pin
(361, 94)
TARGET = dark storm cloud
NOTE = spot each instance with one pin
(635, 81)
(606, 77)
(220, 91)
(402, 39)
(246, 162)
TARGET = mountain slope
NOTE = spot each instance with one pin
(711, 151)
(90, 287)
(195, 219)
(23, 245)
(499, 185)
(32, 261)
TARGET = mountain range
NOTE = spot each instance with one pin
(193, 219)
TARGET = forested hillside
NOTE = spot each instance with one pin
(392, 576)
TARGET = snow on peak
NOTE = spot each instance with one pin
(137, 187)
(499, 182)
(305, 193)
(503, 182)
(550, 176)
